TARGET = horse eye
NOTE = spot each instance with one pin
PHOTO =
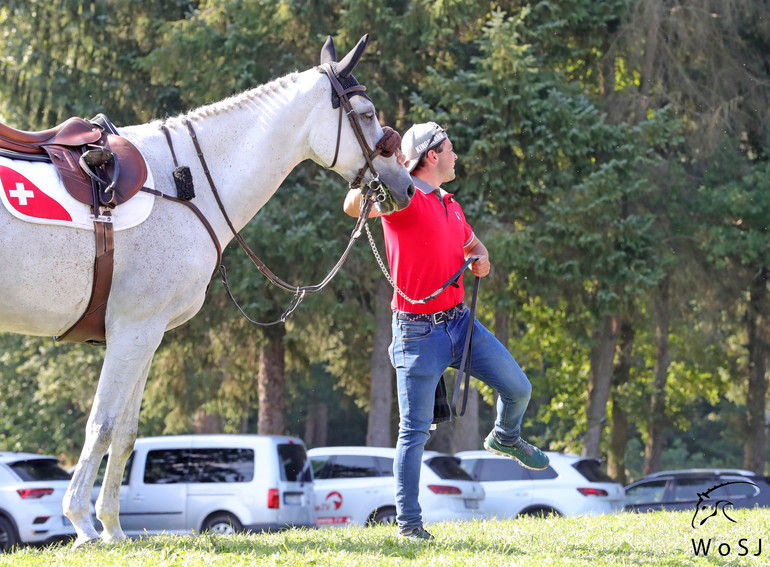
(368, 115)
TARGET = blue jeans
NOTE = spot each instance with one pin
(420, 353)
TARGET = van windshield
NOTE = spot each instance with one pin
(294, 463)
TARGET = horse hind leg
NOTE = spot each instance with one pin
(123, 373)
(108, 503)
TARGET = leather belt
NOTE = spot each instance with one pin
(435, 318)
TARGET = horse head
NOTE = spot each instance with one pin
(363, 151)
(709, 505)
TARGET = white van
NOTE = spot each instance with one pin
(222, 483)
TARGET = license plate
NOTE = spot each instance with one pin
(472, 504)
(292, 499)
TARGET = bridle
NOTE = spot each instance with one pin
(374, 192)
(387, 145)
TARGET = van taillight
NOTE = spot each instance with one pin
(439, 489)
(592, 492)
(273, 498)
(34, 492)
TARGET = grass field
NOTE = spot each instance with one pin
(661, 538)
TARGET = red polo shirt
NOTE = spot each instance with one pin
(424, 244)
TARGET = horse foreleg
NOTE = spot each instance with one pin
(108, 503)
(125, 363)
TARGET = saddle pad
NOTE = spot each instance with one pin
(33, 192)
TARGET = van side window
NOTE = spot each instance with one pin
(221, 465)
(166, 466)
(169, 466)
(351, 466)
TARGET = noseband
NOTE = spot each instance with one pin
(386, 146)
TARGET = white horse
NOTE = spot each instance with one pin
(163, 266)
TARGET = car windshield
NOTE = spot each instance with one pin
(448, 468)
(39, 469)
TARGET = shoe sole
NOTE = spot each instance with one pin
(526, 466)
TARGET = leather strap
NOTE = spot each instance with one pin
(261, 266)
(90, 328)
(199, 214)
(465, 361)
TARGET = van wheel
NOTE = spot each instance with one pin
(8, 539)
(222, 524)
(383, 516)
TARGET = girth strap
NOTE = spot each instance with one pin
(90, 328)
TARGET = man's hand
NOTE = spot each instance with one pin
(481, 267)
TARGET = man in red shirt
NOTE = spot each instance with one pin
(426, 244)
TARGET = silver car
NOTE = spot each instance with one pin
(570, 486)
(355, 485)
(31, 491)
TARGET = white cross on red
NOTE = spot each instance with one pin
(21, 194)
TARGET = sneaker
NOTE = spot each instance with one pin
(418, 533)
(528, 455)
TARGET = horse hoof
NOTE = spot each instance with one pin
(114, 538)
(84, 542)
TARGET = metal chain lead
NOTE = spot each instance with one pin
(385, 271)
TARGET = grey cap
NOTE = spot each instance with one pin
(418, 139)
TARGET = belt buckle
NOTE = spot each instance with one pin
(440, 317)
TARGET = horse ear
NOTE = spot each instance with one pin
(345, 67)
(328, 53)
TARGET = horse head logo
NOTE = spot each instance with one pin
(710, 504)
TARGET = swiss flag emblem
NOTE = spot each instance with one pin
(28, 199)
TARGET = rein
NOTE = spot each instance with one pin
(375, 192)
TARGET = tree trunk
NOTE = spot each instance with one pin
(599, 380)
(271, 382)
(466, 429)
(656, 423)
(206, 422)
(381, 390)
(317, 425)
(757, 325)
(616, 462)
(652, 10)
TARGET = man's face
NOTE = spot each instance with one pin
(445, 165)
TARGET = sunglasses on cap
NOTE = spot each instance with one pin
(438, 132)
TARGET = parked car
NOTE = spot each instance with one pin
(221, 483)
(682, 489)
(31, 491)
(355, 485)
(570, 486)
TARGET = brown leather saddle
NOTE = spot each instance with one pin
(99, 168)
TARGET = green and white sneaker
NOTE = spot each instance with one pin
(528, 455)
(418, 533)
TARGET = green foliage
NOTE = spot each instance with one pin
(46, 394)
(591, 164)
